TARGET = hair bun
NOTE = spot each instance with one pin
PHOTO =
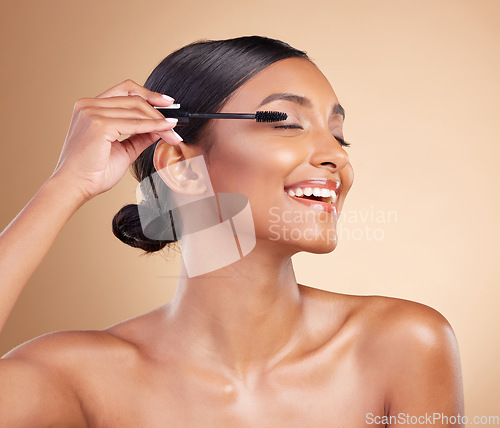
(128, 229)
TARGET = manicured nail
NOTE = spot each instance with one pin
(177, 135)
(172, 119)
(167, 97)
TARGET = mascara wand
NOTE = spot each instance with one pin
(183, 115)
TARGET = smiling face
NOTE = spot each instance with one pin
(274, 164)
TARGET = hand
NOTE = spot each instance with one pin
(92, 157)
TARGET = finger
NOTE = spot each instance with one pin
(170, 136)
(114, 128)
(136, 144)
(133, 146)
(128, 102)
(129, 87)
(118, 112)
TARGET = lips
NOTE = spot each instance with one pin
(317, 193)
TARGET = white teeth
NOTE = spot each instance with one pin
(316, 191)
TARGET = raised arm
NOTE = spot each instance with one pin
(92, 161)
(34, 389)
(28, 238)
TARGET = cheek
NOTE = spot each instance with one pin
(258, 171)
(252, 166)
(347, 178)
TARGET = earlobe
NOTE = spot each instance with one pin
(176, 171)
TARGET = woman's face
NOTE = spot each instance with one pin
(263, 161)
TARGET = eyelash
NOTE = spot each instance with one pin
(340, 140)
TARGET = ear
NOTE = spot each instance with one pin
(172, 164)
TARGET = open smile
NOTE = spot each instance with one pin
(317, 193)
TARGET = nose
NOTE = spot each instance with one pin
(327, 152)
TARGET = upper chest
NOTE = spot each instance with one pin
(324, 389)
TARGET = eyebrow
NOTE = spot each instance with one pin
(298, 99)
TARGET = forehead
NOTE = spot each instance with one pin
(291, 75)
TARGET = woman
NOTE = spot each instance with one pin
(244, 344)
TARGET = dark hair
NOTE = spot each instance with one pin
(202, 75)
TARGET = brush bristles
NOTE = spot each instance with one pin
(270, 116)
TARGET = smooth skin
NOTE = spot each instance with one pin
(245, 345)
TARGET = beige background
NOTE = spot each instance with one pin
(420, 84)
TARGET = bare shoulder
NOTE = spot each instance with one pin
(61, 349)
(42, 379)
(73, 357)
(391, 329)
(409, 348)
(416, 349)
(405, 347)
(388, 319)
(404, 326)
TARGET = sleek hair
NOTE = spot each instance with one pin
(202, 75)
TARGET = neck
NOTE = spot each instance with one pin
(244, 315)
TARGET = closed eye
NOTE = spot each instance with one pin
(340, 140)
(289, 126)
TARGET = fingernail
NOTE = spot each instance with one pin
(177, 135)
(167, 97)
(172, 119)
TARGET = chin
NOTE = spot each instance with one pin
(320, 247)
(314, 245)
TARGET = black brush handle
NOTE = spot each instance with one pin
(223, 115)
(178, 113)
(183, 115)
